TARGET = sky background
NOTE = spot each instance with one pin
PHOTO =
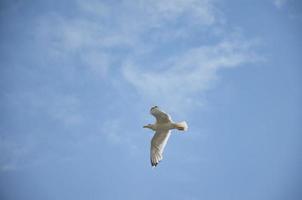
(77, 80)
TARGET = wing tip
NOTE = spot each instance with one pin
(154, 164)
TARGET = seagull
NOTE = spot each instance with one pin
(162, 128)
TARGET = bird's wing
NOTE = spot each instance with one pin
(161, 116)
(158, 144)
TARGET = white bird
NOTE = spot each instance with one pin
(162, 128)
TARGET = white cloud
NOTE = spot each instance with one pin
(98, 26)
(279, 3)
(132, 34)
(67, 35)
(162, 11)
(93, 7)
(182, 77)
(142, 28)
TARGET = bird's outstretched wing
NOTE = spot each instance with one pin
(158, 144)
(161, 116)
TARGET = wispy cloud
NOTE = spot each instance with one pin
(99, 25)
(130, 33)
(279, 3)
(180, 78)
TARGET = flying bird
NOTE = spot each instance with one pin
(162, 127)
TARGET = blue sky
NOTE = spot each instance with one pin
(78, 79)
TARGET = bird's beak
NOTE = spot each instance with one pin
(145, 126)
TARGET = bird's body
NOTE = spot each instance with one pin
(162, 128)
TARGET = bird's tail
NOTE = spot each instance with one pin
(182, 126)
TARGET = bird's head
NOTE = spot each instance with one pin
(154, 107)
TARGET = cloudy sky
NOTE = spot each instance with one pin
(77, 80)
